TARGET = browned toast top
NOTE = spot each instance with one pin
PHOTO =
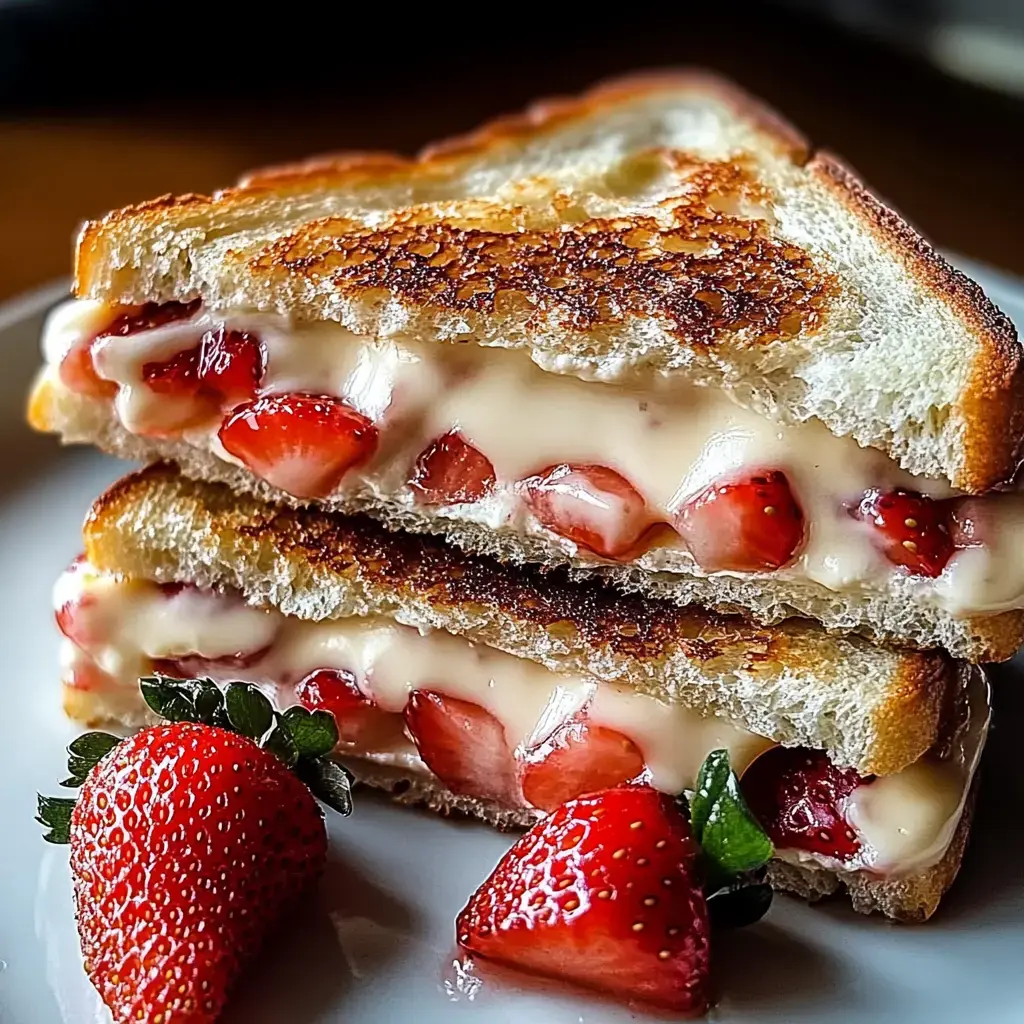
(653, 256)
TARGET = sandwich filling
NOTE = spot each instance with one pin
(500, 729)
(669, 476)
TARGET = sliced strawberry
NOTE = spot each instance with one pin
(304, 444)
(361, 723)
(232, 365)
(78, 372)
(177, 376)
(912, 531)
(463, 745)
(973, 522)
(593, 506)
(86, 675)
(746, 525)
(73, 618)
(579, 758)
(149, 316)
(605, 893)
(799, 798)
(451, 470)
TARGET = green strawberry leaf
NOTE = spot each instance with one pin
(314, 733)
(54, 814)
(280, 742)
(209, 703)
(171, 699)
(249, 712)
(740, 905)
(732, 840)
(84, 753)
(328, 781)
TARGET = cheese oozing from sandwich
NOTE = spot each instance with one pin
(606, 471)
(117, 629)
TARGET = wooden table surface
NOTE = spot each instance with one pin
(948, 155)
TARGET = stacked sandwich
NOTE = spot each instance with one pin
(561, 456)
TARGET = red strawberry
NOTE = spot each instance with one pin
(78, 372)
(303, 444)
(463, 745)
(148, 316)
(232, 364)
(177, 376)
(912, 530)
(604, 892)
(87, 675)
(799, 796)
(746, 525)
(188, 843)
(593, 506)
(451, 470)
(72, 616)
(579, 758)
(361, 723)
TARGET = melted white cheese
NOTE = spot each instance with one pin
(669, 440)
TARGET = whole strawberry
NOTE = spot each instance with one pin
(189, 842)
(606, 892)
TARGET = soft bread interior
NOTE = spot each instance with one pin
(871, 708)
(888, 616)
(777, 273)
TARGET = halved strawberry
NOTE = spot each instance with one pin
(605, 893)
(593, 506)
(304, 444)
(911, 530)
(799, 798)
(579, 758)
(463, 745)
(361, 723)
(232, 364)
(451, 470)
(749, 524)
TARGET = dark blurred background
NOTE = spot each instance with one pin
(102, 104)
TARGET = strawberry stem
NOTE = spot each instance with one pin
(300, 738)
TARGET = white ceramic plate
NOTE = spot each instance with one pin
(378, 944)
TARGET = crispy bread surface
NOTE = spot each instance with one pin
(659, 223)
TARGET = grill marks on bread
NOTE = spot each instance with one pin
(706, 267)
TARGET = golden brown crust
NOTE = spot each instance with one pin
(702, 273)
(349, 170)
(993, 403)
(922, 693)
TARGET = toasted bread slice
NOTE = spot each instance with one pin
(870, 708)
(659, 223)
(892, 614)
